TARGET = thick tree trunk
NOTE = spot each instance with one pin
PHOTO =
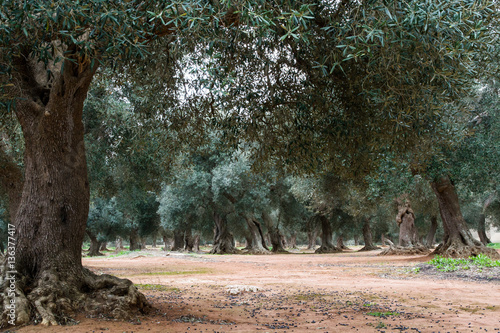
(276, 238)
(119, 244)
(165, 243)
(292, 244)
(196, 243)
(155, 236)
(248, 241)
(52, 214)
(178, 240)
(95, 245)
(431, 235)
(258, 242)
(458, 241)
(104, 246)
(340, 243)
(188, 240)
(481, 230)
(135, 242)
(367, 237)
(311, 239)
(223, 239)
(11, 181)
(356, 240)
(408, 235)
(326, 237)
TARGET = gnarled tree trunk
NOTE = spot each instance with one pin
(431, 235)
(135, 241)
(292, 244)
(178, 240)
(95, 245)
(274, 234)
(326, 237)
(119, 244)
(481, 229)
(457, 241)
(340, 243)
(165, 243)
(104, 246)
(188, 240)
(367, 237)
(258, 241)
(223, 239)
(51, 218)
(196, 243)
(11, 181)
(408, 235)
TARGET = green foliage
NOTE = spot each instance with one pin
(383, 314)
(451, 265)
(494, 245)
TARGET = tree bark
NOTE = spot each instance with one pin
(481, 229)
(408, 235)
(326, 237)
(119, 244)
(104, 246)
(178, 240)
(11, 181)
(196, 243)
(248, 241)
(356, 240)
(223, 239)
(274, 234)
(165, 243)
(188, 240)
(258, 242)
(95, 245)
(293, 240)
(367, 237)
(311, 239)
(431, 235)
(52, 213)
(340, 243)
(458, 241)
(135, 242)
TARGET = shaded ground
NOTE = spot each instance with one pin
(346, 292)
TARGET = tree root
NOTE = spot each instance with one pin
(257, 251)
(459, 250)
(55, 297)
(369, 248)
(327, 249)
(405, 251)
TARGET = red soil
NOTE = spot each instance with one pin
(347, 292)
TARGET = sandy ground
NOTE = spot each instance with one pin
(300, 292)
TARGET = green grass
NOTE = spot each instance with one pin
(157, 287)
(383, 314)
(451, 265)
(494, 245)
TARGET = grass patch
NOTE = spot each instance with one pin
(157, 287)
(451, 265)
(308, 297)
(494, 245)
(383, 314)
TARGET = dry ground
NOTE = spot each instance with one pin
(300, 292)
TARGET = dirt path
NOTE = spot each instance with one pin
(348, 292)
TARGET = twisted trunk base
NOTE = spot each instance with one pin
(57, 295)
(393, 250)
(458, 241)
